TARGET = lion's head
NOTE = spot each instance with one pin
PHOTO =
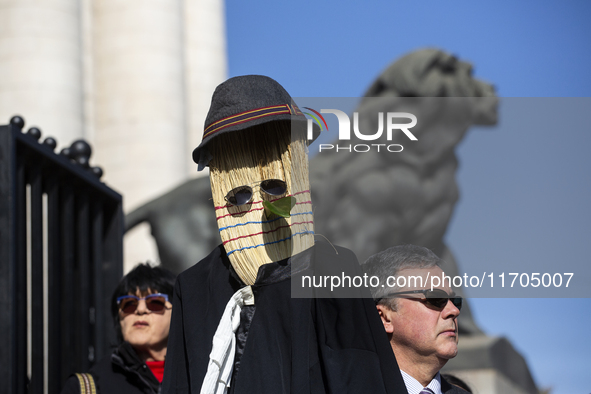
(434, 73)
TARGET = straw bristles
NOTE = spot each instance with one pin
(250, 238)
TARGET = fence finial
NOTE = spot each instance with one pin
(80, 152)
(34, 132)
(50, 142)
(17, 121)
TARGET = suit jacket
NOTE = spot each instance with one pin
(448, 388)
(285, 344)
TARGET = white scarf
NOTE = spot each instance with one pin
(221, 359)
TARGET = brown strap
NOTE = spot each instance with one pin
(86, 381)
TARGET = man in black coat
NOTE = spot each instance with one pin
(245, 319)
(419, 311)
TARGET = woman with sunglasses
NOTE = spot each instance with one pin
(141, 308)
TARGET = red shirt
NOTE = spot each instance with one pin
(157, 368)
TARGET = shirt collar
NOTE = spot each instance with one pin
(414, 387)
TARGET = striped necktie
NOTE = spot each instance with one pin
(426, 390)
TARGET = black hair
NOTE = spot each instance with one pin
(144, 278)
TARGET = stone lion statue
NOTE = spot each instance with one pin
(390, 199)
(372, 201)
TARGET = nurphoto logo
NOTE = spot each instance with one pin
(395, 121)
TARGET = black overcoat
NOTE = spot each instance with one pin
(290, 345)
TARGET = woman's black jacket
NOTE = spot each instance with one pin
(121, 372)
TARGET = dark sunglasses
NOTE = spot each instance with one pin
(154, 302)
(436, 297)
(243, 194)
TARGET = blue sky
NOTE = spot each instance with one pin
(524, 189)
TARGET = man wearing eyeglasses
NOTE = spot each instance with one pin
(421, 322)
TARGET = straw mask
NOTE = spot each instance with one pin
(249, 138)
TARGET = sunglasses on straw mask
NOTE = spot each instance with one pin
(436, 297)
(243, 194)
(154, 302)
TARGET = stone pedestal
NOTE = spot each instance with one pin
(490, 365)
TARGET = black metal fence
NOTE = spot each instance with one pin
(61, 248)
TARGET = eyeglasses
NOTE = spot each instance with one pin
(243, 194)
(436, 297)
(154, 302)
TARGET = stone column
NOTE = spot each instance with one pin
(139, 100)
(41, 66)
(205, 61)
